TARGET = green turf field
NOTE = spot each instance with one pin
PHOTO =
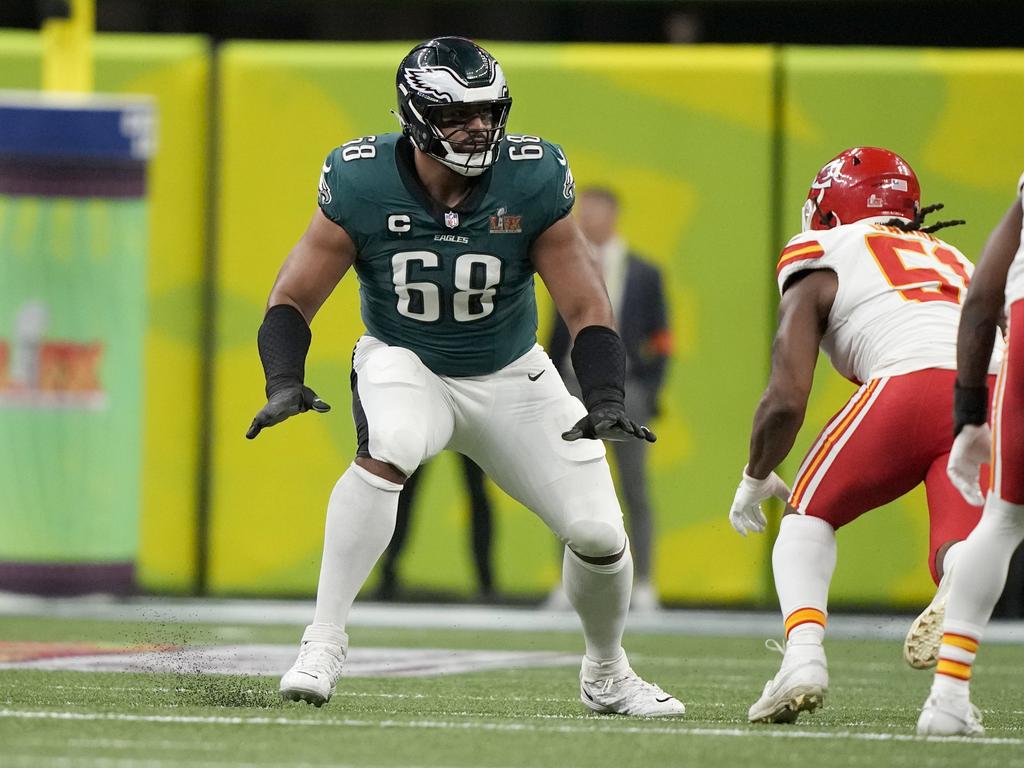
(486, 719)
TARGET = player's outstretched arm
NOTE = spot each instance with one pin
(564, 262)
(803, 319)
(984, 303)
(313, 268)
(975, 338)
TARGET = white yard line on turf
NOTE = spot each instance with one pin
(603, 725)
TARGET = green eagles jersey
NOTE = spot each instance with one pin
(453, 285)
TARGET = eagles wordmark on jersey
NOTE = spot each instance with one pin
(454, 285)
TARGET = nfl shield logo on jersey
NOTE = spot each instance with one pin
(451, 219)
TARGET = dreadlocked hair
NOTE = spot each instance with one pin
(915, 225)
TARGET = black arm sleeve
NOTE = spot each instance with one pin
(599, 359)
(283, 343)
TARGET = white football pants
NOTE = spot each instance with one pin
(509, 422)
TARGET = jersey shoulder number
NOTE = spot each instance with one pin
(540, 173)
(349, 175)
(551, 161)
(917, 266)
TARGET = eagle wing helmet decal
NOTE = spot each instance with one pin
(447, 87)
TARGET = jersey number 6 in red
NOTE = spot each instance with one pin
(917, 283)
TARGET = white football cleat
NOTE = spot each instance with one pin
(921, 646)
(949, 716)
(614, 688)
(315, 672)
(799, 686)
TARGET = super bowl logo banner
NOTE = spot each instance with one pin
(40, 372)
(73, 247)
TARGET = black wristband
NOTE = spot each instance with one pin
(599, 360)
(283, 343)
(970, 406)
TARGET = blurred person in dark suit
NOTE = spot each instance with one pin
(481, 529)
(638, 299)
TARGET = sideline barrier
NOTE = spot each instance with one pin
(175, 72)
(72, 301)
(685, 135)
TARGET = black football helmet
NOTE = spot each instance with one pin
(453, 83)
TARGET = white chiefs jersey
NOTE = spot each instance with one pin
(1015, 277)
(897, 307)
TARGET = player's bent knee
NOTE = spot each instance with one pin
(595, 538)
(382, 469)
(401, 447)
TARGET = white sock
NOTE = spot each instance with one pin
(982, 562)
(600, 595)
(803, 560)
(956, 658)
(360, 522)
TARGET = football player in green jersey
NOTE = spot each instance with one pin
(446, 224)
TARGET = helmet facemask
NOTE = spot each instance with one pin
(811, 210)
(465, 136)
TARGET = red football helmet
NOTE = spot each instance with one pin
(862, 183)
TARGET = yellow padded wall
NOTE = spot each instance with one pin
(683, 134)
(955, 116)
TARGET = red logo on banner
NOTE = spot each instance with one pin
(36, 372)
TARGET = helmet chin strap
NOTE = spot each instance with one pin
(454, 161)
(464, 163)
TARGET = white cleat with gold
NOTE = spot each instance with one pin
(949, 716)
(921, 646)
(800, 685)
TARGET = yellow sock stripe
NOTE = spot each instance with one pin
(953, 669)
(804, 616)
(968, 644)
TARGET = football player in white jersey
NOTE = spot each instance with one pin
(867, 283)
(985, 556)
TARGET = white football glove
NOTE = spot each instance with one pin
(745, 513)
(971, 449)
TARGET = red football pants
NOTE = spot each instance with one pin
(1007, 416)
(892, 435)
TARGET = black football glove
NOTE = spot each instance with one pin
(608, 421)
(289, 400)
